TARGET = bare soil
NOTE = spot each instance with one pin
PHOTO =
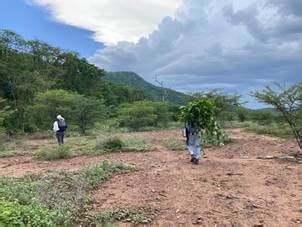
(232, 186)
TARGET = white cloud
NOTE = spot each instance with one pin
(233, 44)
(112, 20)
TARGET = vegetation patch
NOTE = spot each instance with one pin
(55, 199)
(115, 144)
(272, 129)
(50, 154)
(123, 215)
(174, 144)
(138, 144)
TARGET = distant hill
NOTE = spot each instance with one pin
(131, 79)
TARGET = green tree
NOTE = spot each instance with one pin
(142, 114)
(86, 111)
(79, 110)
(288, 101)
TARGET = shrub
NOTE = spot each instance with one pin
(110, 144)
(142, 114)
(49, 154)
(113, 144)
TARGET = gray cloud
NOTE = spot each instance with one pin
(233, 44)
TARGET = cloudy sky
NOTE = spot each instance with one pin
(190, 45)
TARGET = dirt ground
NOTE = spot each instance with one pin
(232, 186)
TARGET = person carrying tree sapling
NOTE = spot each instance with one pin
(59, 127)
(193, 141)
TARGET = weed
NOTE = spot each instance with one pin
(114, 144)
(59, 152)
(56, 199)
(135, 216)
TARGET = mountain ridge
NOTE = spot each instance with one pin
(134, 80)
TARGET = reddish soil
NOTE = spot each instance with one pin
(232, 186)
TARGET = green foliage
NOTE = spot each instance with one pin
(135, 81)
(288, 101)
(223, 103)
(113, 144)
(16, 214)
(202, 113)
(263, 116)
(142, 114)
(122, 215)
(274, 129)
(51, 200)
(79, 110)
(50, 154)
(98, 174)
(138, 144)
(29, 68)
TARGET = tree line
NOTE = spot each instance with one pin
(37, 81)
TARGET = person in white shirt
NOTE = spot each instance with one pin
(59, 127)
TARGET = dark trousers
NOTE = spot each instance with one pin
(60, 137)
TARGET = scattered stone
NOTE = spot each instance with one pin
(145, 221)
(128, 220)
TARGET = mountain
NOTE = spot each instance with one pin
(133, 80)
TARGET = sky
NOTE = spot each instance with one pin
(191, 45)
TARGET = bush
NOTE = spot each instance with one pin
(113, 144)
(49, 154)
(142, 114)
(110, 144)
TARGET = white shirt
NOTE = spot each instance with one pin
(55, 126)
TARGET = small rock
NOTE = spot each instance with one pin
(128, 220)
(145, 221)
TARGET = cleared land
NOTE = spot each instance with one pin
(233, 185)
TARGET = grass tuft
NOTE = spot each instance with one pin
(50, 154)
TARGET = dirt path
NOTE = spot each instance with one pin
(231, 186)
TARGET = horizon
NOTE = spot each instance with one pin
(191, 46)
